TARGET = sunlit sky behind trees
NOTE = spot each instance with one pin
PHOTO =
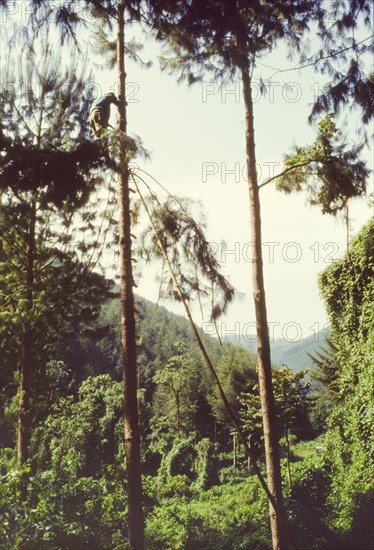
(196, 139)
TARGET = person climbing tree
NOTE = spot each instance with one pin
(100, 113)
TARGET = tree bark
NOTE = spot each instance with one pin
(277, 516)
(24, 401)
(178, 414)
(23, 438)
(288, 451)
(128, 334)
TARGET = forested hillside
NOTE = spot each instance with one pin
(76, 441)
(200, 489)
(296, 355)
(293, 354)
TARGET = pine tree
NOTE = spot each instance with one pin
(38, 252)
(225, 39)
(345, 28)
(67, 16)
(128, 329)
(329, 170)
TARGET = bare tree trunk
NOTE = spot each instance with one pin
(288, 451)
(128, 334)
(277, 517)
(178, 414)
(234, 451)
(23, 438)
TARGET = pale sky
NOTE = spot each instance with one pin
(196, 139)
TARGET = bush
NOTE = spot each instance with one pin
(62, 515)
(232, 517)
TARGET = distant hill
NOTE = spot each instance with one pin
(295, 354)
(284, 352)
(159, 327)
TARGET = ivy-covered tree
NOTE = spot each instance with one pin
(175, 395)
(77, 497)
(347, 288)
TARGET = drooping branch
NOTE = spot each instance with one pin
(330, 170)
(185, 236)
(202, 348)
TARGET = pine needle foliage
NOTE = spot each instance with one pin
(329, 170)
(219, 37)
(44, 135)
(346, 31)
(190, 253)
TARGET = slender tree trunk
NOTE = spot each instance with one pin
(346, 222)
(288, 452)
(23, 439)
(128, 335)
(178, 414)
(277, 517)
(234, 450)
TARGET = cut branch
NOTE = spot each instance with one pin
(202, 348)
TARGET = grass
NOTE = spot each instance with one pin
(306, 449)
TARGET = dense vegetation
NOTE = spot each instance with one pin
(198, 494)
(124, 426)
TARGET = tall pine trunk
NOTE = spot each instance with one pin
(24, 422)
(128, 335)
(277, 516)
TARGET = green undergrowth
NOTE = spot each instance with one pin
(229, 516)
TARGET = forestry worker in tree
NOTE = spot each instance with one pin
(100, 113)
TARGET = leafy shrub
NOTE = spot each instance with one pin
(231, 517)
(61, 514)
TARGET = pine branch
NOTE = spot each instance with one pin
(289, 169)
(318, 59)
